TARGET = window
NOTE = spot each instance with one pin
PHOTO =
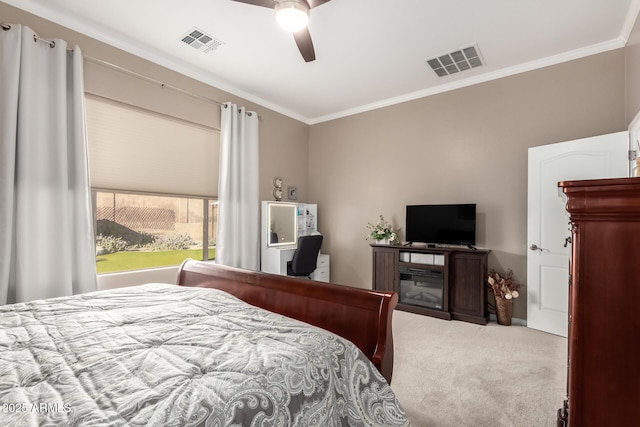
(136, 231)
(155, 183)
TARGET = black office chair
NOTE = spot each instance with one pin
(305, 258)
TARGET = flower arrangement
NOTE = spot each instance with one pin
(382, 230)
(503, 285)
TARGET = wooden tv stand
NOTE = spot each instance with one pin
(462, 271)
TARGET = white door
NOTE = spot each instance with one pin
(548, 228)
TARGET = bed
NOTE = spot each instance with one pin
(224, 347)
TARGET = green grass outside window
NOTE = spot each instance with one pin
(124, 261)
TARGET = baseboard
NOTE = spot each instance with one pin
(514, 320)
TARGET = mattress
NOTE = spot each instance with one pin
(165, 355)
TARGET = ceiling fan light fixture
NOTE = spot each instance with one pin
(292, 15)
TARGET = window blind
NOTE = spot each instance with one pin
(133, 149)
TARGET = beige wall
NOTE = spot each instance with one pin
(632, 69)
(465, 146)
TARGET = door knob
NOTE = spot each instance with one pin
(535, 247)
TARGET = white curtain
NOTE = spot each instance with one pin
(47, 245)
(238, 242)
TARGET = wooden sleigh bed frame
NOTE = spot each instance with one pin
(361, 316)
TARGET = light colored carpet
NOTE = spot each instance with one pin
(452, 373)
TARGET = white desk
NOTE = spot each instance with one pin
(274, 260)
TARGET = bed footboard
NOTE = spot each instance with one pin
(361, 316)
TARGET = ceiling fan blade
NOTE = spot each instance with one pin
(305, 45)
(316, 3)
(264, 3)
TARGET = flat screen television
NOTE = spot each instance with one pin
(453, 224)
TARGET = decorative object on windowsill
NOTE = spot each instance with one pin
(382, 232)
(277, 188)
(505, 290)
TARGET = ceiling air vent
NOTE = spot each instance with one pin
(200, 40)
(454, 62)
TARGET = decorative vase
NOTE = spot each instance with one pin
(382, 241)
(504, 310)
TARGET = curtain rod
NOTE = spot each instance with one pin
(154, 81)
(150, 80)
(52, 43)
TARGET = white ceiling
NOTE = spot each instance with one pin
(370, 53)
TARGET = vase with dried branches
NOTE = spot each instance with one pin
(505, 290)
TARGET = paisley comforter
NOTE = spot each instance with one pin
(164, 355)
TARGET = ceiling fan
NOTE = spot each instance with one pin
(293, 16)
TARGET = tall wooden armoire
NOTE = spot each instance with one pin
(603, 383)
